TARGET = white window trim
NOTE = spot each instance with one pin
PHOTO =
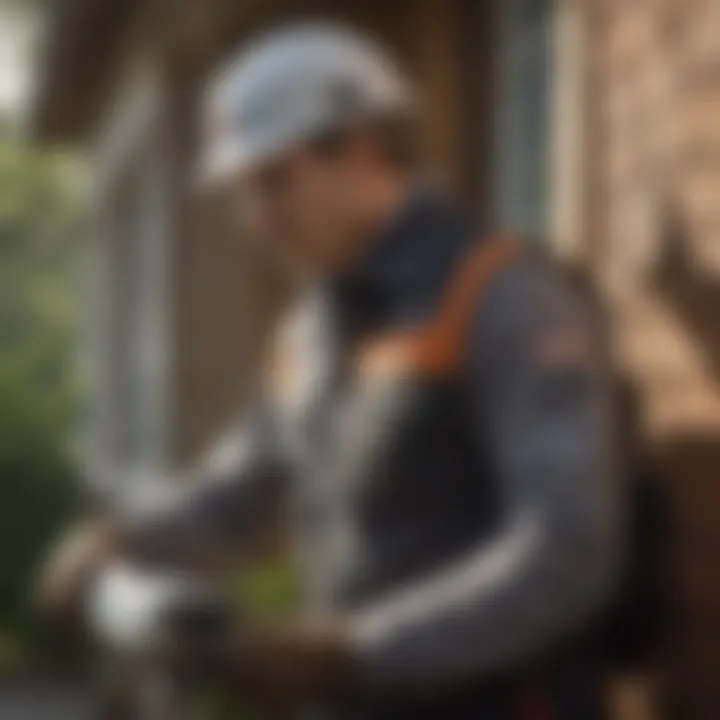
(131, 124)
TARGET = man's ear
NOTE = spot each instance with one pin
(362, 147)
(378, 148)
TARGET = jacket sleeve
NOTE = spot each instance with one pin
(231, 502)
(236, 501)
(539, 390)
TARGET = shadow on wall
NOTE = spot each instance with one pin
(689, 290)
(692, 465)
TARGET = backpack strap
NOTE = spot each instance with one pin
(437, 349)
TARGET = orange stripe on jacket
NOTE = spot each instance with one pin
(437, 348)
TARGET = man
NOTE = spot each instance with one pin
(435, 422)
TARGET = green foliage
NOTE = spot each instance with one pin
(38, 258)
(24, 6)
(271, 590)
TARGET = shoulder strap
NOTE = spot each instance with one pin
(467, 290)
(438, 348)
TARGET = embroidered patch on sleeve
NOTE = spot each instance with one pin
(561, 347)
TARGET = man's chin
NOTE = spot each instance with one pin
(301, 269)
(308, 266)
(311, 260)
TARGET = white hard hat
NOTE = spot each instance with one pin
(292, 84)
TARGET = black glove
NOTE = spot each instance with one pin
(286, 667)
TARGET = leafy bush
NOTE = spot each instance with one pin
(39, 247)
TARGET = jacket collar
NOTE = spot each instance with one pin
(406, 264)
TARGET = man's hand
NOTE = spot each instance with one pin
(288, 667)
(72, 564)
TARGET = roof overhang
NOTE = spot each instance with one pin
(79, 49)
(83, 45)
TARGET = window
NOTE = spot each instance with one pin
(139, 332)
(522, 117)
(128, 330)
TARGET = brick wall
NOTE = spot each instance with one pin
(657, 155)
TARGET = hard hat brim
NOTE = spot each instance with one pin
(233, 161)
